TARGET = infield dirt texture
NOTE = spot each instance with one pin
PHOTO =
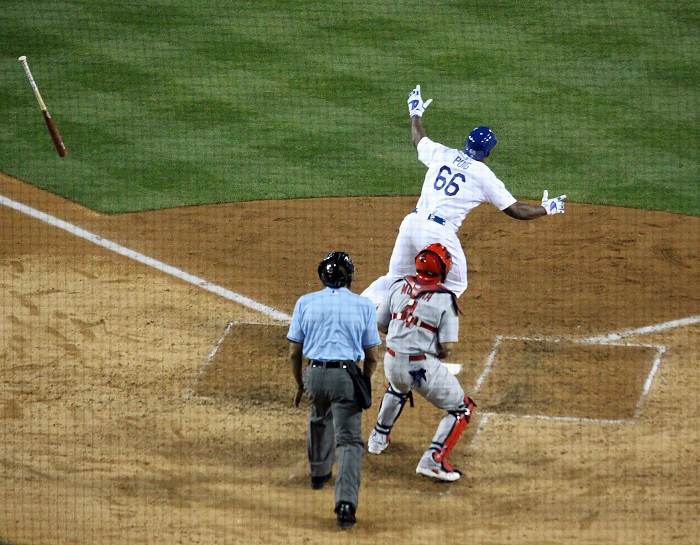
(137, 408)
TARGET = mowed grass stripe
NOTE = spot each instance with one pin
(168, 103)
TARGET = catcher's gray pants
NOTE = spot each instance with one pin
(335, 419)
(430, 379)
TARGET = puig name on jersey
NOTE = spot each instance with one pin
(462, 162)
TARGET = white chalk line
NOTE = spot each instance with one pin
(277, 315)
(189, 393)
(644, 330)
(500, 338)
(650, 378)
(489, 363)
(486, 416)
(146, 260)
(482, 424)
(610, 339)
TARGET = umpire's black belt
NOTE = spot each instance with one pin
(330, 364)
(432, 217)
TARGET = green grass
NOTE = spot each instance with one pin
(165, 103)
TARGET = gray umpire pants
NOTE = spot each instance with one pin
(335, 427)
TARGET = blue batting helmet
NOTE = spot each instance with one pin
(479, 143)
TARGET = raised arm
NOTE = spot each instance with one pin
(417, 130)
(416, 107)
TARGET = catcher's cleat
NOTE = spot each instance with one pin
(443, 471)
(378, 442)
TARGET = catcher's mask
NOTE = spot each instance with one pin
(336, 270)
(433, 263)
(479, 143)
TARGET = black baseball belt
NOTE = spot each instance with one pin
(337, 364)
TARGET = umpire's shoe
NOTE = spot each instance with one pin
(346, 515)
(318, 482)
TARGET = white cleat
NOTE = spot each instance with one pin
(443, 472)
(377, 442)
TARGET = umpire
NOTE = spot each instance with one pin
(334, 329)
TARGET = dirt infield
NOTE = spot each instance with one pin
(142, 409)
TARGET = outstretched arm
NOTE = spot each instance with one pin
(523, 211)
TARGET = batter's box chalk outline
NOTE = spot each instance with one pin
(660, 349)
(612, 339)
(270, 312)
(189, 393)
(487, 416)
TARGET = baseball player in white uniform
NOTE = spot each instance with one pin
(456, 182)
(420, 319)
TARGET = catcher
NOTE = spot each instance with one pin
(420, 319)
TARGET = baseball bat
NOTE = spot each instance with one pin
(50, 124)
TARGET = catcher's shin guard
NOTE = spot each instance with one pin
(450, 430)
(390, 409)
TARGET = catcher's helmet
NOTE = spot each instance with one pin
(433, 263)
(479, 143)
(336, 270)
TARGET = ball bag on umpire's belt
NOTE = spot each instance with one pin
(363, 386)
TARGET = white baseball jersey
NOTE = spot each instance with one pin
(435, 309)
(455, 184)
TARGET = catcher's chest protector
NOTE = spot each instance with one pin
(417, 291)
